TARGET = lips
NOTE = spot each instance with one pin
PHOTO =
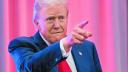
(56, 32)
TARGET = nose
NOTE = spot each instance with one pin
(57, 24)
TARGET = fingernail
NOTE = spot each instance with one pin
(89, 34)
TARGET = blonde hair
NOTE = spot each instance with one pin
(38, 4)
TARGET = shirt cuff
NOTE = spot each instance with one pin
(64, 53)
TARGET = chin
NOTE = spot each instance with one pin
(57, 38)
(54, 40)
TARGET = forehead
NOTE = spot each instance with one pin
(54, 10)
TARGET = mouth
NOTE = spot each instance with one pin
(57, 32)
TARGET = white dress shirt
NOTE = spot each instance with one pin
(69, 56)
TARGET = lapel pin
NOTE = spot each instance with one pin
(80, 53)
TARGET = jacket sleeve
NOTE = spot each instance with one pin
(96, 60)
(29, 60)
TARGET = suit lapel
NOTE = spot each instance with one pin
(79, 56)
(39, 41)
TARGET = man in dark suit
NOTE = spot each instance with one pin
(50, 49)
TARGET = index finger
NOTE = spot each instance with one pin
(82, 24)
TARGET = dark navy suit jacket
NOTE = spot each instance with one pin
(31, 54)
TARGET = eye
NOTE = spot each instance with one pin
(61, 17)
(50, 19)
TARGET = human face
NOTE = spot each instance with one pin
(52, 22)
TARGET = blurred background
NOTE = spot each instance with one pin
(108, 22)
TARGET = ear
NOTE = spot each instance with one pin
(36, 24)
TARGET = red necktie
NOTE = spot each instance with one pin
(64, 67)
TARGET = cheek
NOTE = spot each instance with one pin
(48, 27)
(64, 25)
(43, 28)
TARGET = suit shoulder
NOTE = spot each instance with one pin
(88, 43)
(20, 42)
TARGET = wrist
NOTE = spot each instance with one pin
(67, 44)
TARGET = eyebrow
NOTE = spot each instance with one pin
(50, 17)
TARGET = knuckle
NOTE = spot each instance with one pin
(82, 38)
